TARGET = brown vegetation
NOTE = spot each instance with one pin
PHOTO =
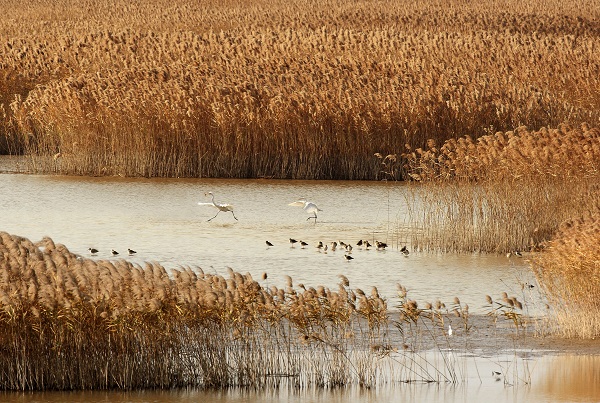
(67, 322)
(503, 192)
(569, 271)
(284, 89)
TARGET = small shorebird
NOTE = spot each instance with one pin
(269, 244)
(449, 330)
(319, 245)
(293, 241)
(359, 243)
(131, 251)
(93, 251)
(114, 252)
(404, 250)
(348, 257)
(381, 245)
(303, 244)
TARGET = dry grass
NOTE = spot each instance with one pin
(67, 322)
(569, 271)
(503, 192)
(283, 89)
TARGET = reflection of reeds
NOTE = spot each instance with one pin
(230, 90)
(569, 272)
(571, 378)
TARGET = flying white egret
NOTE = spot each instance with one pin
(307, 206)
(220, 206)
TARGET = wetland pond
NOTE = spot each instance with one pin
(162, 221)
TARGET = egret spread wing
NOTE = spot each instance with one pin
(225, 206)
(299, 203)
(205, 204)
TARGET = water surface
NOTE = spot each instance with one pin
(160, 218)
(162, 221)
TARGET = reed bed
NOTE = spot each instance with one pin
(68, 322)
(499, 193)
(569, 272)
(282, 89)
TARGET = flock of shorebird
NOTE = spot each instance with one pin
(309, 207)
(333, 246)
(94, 252)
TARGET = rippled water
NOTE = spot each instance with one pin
(162, 221)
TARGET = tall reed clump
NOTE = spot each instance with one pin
(568, 269)
(68, 322)
(503, 192)
(177, 88)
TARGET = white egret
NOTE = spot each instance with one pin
(307, 206)
(220, 206)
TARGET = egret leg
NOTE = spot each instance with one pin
(234, 216)
(215, 215)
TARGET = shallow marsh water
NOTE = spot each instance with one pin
(568, 378)
(162, 221)
(160, 218)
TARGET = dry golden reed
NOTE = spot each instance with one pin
(500, 193)
(286, 89)
(68, 322)
(569, 272)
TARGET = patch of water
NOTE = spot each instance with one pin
(162, 221)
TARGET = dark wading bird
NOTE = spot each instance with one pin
(220, 206)
(307, 206)
(293, 241)
(269, 244)
(93, 251)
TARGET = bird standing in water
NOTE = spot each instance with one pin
(307, 206)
